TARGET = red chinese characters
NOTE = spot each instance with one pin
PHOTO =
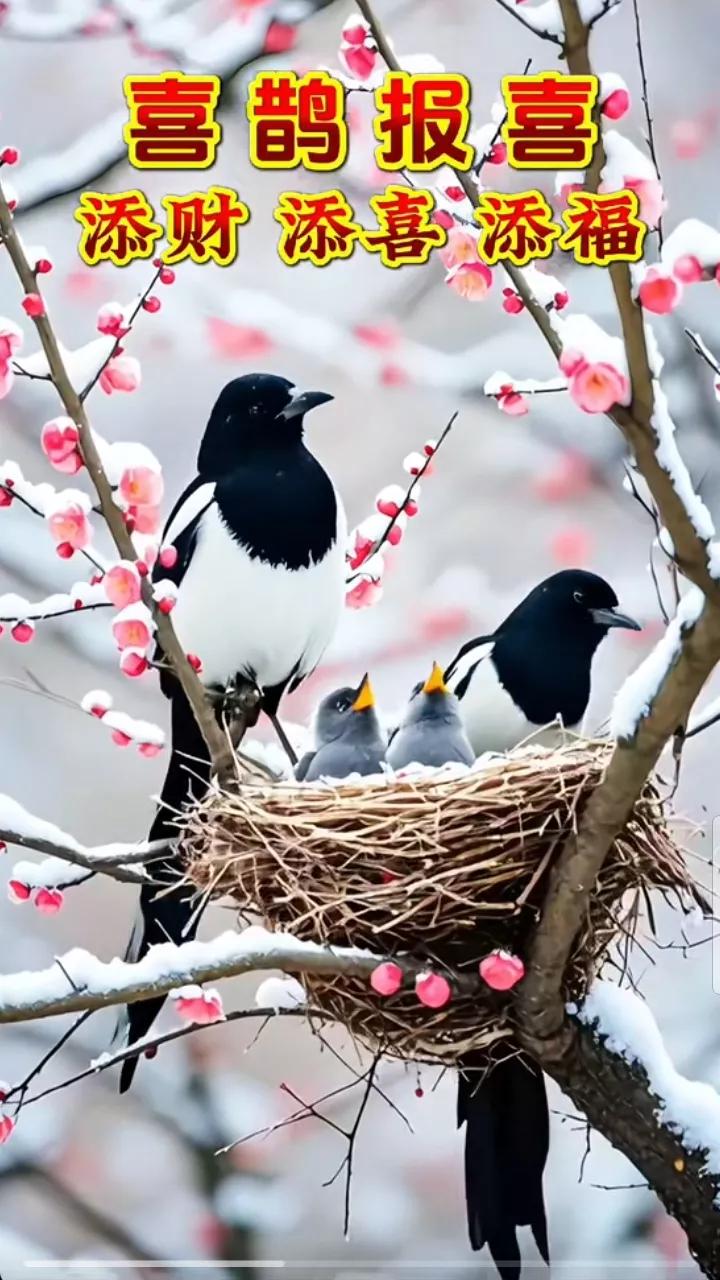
(407, 233)
(297, 121)
(549, 121)
(203, 226)
(422, 121)
(116, 228)
(603, 228)
(516, 228)
(172, 123)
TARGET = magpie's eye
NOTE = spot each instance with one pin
(578, 596)
(342, 704)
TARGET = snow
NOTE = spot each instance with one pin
(96, 698)
(541, 283)
(668, 455)
(610, 82)
(37, 495)
(280, 993)
(634, 698)
(16, 608)
(168, 966)
(29, 24)
(694, 238)
(15, 820)
(624, 160)
(581, 333)
(138, 730)
(526, 386)
(81, 363)
(51, 873)
(688, 1107)
(122, 455)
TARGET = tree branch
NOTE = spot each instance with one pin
(216, 740)
(95, 985)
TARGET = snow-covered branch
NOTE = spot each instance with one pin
(79, 981)
(218, 743)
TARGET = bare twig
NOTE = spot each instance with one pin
(517, 14)
(650, 137)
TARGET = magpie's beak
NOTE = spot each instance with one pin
(435, 682)
(365, 698)
(302, 402)
(613, 618)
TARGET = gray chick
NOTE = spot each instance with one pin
(348, 737)
(431, 731)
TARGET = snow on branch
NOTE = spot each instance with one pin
(24, 829)
(634, 699)
(79, 981)
(626, 1025)
(225, 50)
(87, 445)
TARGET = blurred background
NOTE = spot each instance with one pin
(99, 1181)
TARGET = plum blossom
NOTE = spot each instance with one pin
(471, 280)
(132, 628)
(432, 990)
(48, 901)
(193, 1004)
(111, 320)
(659, 291)
(11, 338)
(122, 584)
(595, 388)
(60, 440)
(121, 373)
(357, 52)
(386, 979)
(614, 96)
(67, 517)
(141, 486)
(501, 970)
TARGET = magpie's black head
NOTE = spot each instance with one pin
(344, 711)
(255, 412)
(575, 603)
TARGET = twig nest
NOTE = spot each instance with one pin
(449, 868)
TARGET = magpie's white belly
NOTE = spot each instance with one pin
(493, 722)
(243, 615)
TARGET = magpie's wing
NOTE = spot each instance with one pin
(181, 531)
(303, 765)
(463, 666)
(181, 527)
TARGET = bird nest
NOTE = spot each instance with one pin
(442, 866)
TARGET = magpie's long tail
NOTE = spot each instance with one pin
(505, 1112)
(166, 916)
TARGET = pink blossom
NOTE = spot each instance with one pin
(7, 1124)
(361, 550)
(511, 402)
(195, 1005)
(471, 280)
(512, 302)
(595, 388)
(364, 594)
(10, 338)
(150, 749)
(386, 979)
(237, 341)
(33, 305)
(570, 361)
(688, 268)
(7, 377)
(359, 60)
(571, 546)
(141, 486)
(133, 663)
(432, 990)
(659, 292)
(59, 440)
(280, 37)
(122, 373)
(69, 523)
(111, 320)
(652, 200)
(130, 628)
(17, 891)
(443, 219)
(497, 153)
(460, 246)
(688, 138)
(168, 556)
(501, 970)
(23, 632)
(356, 31)
(122, 584)
(144, 519)
(48, 901)
(616, 105)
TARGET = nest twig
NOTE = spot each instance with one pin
(444, 867)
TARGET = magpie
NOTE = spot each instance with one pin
(431, 731)
(534, 669)
(348, 736)
(260, 538)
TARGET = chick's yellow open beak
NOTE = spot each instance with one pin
(435, 682)
(365, 696)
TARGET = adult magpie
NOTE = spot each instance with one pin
(431, 731)
(260, 574)
(535, 668)
(348, 736)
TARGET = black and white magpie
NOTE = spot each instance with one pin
(533, 670)
(431, 731)
(260, 537)
(348, 736)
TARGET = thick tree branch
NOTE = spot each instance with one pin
(218, 744)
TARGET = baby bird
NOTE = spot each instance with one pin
(348, 736)
(432, 730)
